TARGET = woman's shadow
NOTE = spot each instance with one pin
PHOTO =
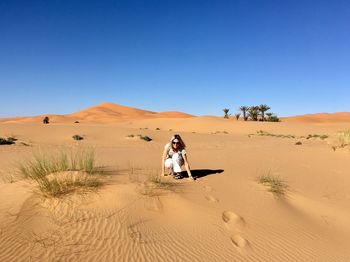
(198, 173)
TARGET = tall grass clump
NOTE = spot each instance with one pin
(274, 183)
(60, 172)
(343, 138)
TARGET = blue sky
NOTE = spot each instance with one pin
(61, 56)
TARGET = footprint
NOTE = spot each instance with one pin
(239, 241)
(208, 188)
(232, 220)
(211, 199)
(235, 224)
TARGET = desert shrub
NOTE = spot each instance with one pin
(46, 120)
(343, 138)
(77, 137)
(237, 115)
(156, 185)
(76, 122)
(146, 138)
(157, 128)
(323, 137)
(274, 183)
(264, 133)
(273, 118)
(61, 172)
(7, 141)
(298, 143)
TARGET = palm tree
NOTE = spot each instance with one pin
(253, 113)
(244, 110)
(226, 112)
(269, 115)
(263, 109)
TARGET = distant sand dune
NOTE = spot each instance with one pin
(320, 118)
(102, 113)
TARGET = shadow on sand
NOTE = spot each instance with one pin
(198, 173)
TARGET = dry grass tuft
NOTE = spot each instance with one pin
(274, 183)
(157, 185)
(61, 172)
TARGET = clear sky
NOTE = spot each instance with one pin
(61, 56)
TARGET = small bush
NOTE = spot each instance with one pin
(8, 141)
(146, 138)
(298, 143)
(343, 138)
(276, 184)
(157, 128)
(323, 137)
(76, 122)
(77, 137)
(156, 185)
(46, 120)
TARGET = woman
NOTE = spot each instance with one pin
(174, 156)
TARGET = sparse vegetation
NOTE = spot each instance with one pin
(7, 141)
(237, 115)
(61, 172)
(156, 185)
(77, 137)
(264, 133)
(342, 140)
(146, 138)
(219, 132)
(298, 143)
(274, 183)
(317, 136)
(46, 120)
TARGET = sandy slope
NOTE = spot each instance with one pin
(320, 118)
(102, 113)
(225, 215)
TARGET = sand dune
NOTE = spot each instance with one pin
(102, 113)
(225, 215)
(320, 118)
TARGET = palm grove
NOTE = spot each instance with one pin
(254, 113)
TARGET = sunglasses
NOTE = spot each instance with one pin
(176, 143)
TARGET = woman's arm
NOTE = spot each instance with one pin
(187, 166)
(163, 160)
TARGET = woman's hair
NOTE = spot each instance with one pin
(178, 137)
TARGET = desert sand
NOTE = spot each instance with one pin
(225, 215)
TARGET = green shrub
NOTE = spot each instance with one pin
(77, 137)
(8, 141)
(146, 138)
(46, 120)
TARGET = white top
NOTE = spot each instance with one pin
(170, 151)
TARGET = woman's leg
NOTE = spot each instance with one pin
(177, 162)
(169, 164)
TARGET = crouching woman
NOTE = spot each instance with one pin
(174, 157)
